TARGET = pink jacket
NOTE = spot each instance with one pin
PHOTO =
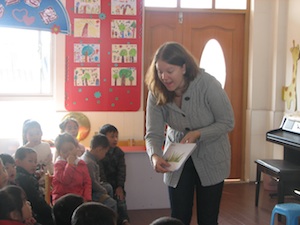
(71, 179)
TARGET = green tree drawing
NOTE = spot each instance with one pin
(132, 54)
(86, 78)
(122, 28)
(131, 79)
(123, 53)
(115, 77)
(124, 73)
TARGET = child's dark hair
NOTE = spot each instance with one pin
(64, 208)
(94, 213)
(12, 200)
(99, 140)
(28, 124)
(108, 128)
(22, 152)
(64, 123)
(62, 138)
(167, 221)
(7, 158)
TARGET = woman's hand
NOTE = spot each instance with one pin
(120, 193)
(191, 137)
(159, 164)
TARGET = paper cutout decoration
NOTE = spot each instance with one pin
(289, 93)
(46, 15)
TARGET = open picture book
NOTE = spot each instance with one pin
(176, 154)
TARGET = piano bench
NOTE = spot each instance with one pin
(285, 172)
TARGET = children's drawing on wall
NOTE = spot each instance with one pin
(124, 53)
(123, 29)
(289, 93)
(123, 7)
(123, 76)
(87, 28)
(88, 53)
(87, 7)
(86, 76)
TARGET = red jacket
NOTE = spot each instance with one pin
(71, 179)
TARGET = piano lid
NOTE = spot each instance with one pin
(288, 133)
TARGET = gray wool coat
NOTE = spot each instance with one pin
(205, 107)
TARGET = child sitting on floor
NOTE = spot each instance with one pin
(26, 161)
(14, 207)
(71, 174)
(32, 138)
(114, 168)
(98, 148)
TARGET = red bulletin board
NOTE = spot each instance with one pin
(103, 55)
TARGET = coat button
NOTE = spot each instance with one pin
(187, 98)
(183, 115)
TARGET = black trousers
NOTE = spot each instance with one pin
(182, 197)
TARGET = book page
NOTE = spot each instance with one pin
(176, 154)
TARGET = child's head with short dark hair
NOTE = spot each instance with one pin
(32, 132)
(64, 208)
(167, 221)
(10, 166)
(112, 133)
(99, 146)
(94, 213)
(108, 128)
(27, 159)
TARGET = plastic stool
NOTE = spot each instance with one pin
(290, 210)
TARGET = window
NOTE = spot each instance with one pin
(25, 57)
(204, 4)
(200, 4)
(160, 3)
(213, 55)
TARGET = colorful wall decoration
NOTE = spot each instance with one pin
(47, 15)
(289, 93)
(103, 55)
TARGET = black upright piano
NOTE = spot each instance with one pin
(290, 142)
(288, 135)
(287, 170)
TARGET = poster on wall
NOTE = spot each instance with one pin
(103, 55)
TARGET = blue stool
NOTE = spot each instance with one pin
(290, 210)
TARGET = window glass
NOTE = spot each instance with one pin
(212, 60)
(198, 4)
(161, 3)
(25, 67)
(203, 4)
(231, 4)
